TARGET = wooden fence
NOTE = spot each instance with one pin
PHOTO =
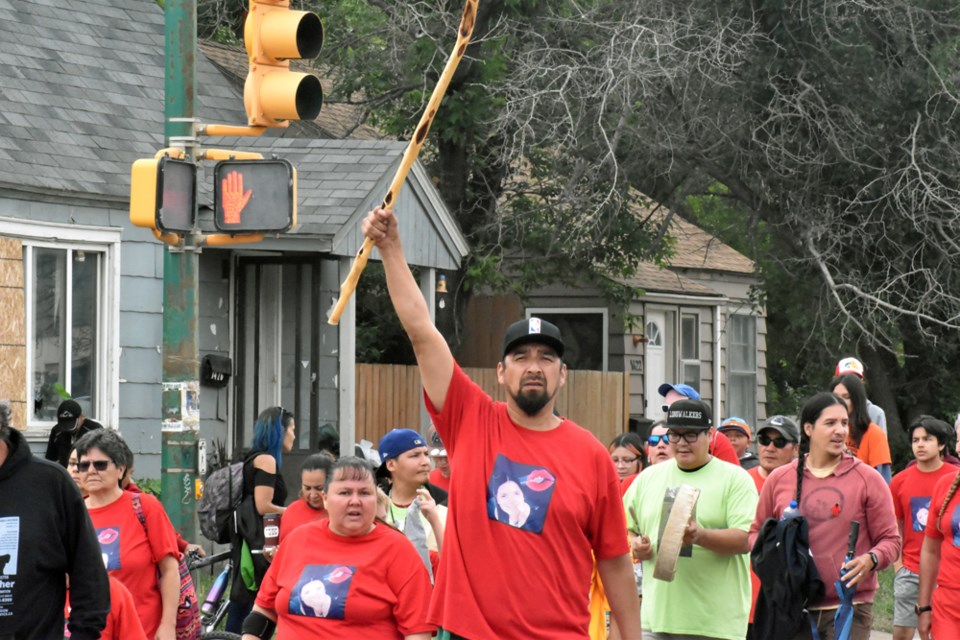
(389, 396)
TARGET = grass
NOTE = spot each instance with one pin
(883, 603)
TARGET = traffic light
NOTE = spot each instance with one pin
(163, 194)
(254, 196)
(273, 35)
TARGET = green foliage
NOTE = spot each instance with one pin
(379, 337)
(149, 485)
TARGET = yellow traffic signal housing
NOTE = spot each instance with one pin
(163, 194)
(273, 35)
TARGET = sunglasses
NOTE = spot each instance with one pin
(665, 407)
(655, 440)
(99, 465)
(765, 441)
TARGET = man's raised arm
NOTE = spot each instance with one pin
(433, 353)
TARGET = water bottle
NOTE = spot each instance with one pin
(792, 511)
(215, 595)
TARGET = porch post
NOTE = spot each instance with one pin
(428, 287)
(348, 369)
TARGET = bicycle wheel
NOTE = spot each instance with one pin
(220, 635)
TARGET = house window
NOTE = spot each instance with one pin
(742, 376)
(584, 333)
(690, 349)
(64, 318)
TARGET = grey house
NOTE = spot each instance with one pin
(695, 322)
(81, 98)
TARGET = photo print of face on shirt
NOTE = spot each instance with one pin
(321, 591)
(519, 495)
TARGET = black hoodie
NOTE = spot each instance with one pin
(45, 535)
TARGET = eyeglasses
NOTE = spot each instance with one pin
(765, 441)
(624, 461)
(689, 436)
(655, 440)
(99, 465)
(71, 463)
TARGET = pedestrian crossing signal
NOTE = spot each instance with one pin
(255, 196)
(163, 194)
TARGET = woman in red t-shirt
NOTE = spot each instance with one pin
(626, 451)
(309, 507)
(135, 552)
(349, 557)
(938, 604)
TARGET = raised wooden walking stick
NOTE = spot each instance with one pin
(410, 155)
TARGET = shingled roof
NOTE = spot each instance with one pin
(81, 94)
(334, 177)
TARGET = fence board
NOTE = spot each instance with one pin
(388, 396)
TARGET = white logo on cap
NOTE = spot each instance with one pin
(533, 326)
(66, 414)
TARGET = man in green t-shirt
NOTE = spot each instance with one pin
(713, 571)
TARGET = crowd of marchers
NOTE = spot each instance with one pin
(507, 520)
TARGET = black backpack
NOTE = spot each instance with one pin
(222, 492)
(789, 581)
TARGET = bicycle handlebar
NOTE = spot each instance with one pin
(198, 563)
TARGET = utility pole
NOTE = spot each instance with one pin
(181, 369)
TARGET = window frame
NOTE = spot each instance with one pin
(682, 362)
(68, 237)
(604, 312)
(733, 374)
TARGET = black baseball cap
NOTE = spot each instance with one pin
(67, 414)
(784, 426)
(532, 330)
(689, 414)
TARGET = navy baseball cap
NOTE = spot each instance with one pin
(532, 330)
(393, 444)
(682, 389)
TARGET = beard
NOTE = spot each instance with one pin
(532, 403)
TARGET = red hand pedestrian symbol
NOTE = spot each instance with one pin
(234, 198)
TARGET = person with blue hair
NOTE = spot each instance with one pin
(264, 491)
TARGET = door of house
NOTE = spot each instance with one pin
(277, 350)
(658, 359)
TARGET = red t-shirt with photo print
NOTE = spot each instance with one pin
(131, 556)
(911, 489)
(528, 510)
(327, 586)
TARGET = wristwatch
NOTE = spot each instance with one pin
(876, 560)
(917, 609)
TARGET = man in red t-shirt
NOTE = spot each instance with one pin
(535, 497)
(911, 489)
(720, 446)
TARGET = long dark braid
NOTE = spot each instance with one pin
(946, 501)
(801, 463)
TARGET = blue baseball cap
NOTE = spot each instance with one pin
(682, 389)
(397, 441)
